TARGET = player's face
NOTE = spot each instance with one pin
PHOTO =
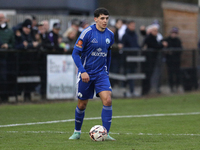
(101, 22)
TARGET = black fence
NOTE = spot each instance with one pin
(23, 73)
(161, 71)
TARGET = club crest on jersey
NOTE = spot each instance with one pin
(79, 44)
(107, 41)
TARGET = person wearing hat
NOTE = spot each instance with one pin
(24, 41)
(54, 37)
(173, 59)
(23, 38)
(150, 46)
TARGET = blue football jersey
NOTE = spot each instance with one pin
(93, 45)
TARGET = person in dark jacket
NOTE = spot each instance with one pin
(27, 61)
(173, 59)
(130, 40)
(150, 47)
(44, 37)
(23, 38)
(6, 42)
(6, 34)
(54, 36)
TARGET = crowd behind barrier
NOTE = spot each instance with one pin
(26, 72)
(25, 46)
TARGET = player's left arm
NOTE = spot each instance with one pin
(108, 59)
(109, 53)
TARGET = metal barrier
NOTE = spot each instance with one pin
(23, 73)
(153, 71)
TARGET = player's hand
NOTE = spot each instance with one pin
(85, 77)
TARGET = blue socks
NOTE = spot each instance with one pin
(79, 115)
(106, 117)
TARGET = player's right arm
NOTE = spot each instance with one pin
(78, 49)
(76, 56)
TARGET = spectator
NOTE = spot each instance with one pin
(46, 25)
(145, 31)
(54, 36)
(117, 58)
(120, 31)
(43, 28)
(27, 61)
(70, 38)
(173, 59)
(130, 40)
(156, 77)
(84, 24)
(37, 35)
(150, 42)
(23, 38)
(6, 34)
(34, 31)
(19, 25)
(159, 35)
(43, 32)
(6, 42)
(75, 23)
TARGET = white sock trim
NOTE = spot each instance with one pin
(77, 131)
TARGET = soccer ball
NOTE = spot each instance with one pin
(98, 133)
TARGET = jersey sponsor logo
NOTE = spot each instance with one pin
(94, 41)
(99, 53)
(99, 49)
(80, 44)
(107, 41)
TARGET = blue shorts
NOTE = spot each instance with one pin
(98, 83)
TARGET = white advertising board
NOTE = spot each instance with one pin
(60, 77)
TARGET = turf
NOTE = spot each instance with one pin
(136, 132)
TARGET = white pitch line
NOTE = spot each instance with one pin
(61, 132)
(97, 118)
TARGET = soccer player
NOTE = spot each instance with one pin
(92, 56)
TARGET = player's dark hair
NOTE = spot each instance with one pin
(100, 11)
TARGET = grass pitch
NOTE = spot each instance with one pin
(162, 123)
